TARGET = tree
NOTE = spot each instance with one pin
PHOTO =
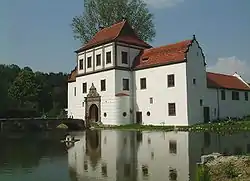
(25, 88)
(107, 12)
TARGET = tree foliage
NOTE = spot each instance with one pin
(107, 12)
(27, 93)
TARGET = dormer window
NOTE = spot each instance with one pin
(125, 57)
(144, 59)
(89, 63)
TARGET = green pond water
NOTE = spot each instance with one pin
(111, 155)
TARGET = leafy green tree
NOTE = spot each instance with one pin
(107, 12)
(25, 88)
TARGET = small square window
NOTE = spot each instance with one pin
(172, 174)
(89, 63)
(171, 81)
(81, 64)
(98, 60)
(108, 57)
(103, 85)
(171, 109)
(125, 57)
(143, 83)
(151, 100)
(172, 146)
(145, 170)
(125, 83)
(194, 81)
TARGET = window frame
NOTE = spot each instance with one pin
(84, 87)
(143, 86)
(223, 95)
(98, 58)
(81, 64)
(235, 95)
(103, 85)
(124, 81)
(171, 82)
(246, 95)
(123, 56)
(108, 57)
(170, 113)
(89, 62)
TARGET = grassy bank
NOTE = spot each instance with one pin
(225, 168)
(220, 126)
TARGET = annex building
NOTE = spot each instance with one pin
(120, 79)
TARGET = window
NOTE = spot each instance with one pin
(171, 109)
(235, 95)
(82, 104)
(148, 113)
(85, 165)
(246, 96)
(74, 91)
(108, 57)
(105, 114)
(172, 147)
(125, 83)
(81, 64)
(143, 83)
(125, 57)
(151, 100)
(201, 102)
(194, 81)
(171, 80)
(89, 62)
(98, 60)
(84, 87)
(103, 85)
(223, 95)
(124, 114)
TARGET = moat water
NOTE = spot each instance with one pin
(111, 155)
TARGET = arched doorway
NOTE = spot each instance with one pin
(93, 113)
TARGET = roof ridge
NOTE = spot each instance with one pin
(163, 46)
(221, 74)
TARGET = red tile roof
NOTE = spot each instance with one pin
(215, 80)
(115, 32)
(162, 55)
(72, 75)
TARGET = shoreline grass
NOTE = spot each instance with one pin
(219, 126)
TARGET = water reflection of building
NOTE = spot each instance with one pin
(136, 156)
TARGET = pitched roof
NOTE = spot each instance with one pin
(216, 80)
(162, 55)
(72, 75)
(121, 31)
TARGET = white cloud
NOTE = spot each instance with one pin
(163, 3)
(230, 65)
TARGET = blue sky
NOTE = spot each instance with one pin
(37, 33)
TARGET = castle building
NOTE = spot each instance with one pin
(120, 79)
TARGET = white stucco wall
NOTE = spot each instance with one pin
(132, 53)
(156, 79)
(228, 107)
(195, 92)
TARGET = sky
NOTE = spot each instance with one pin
(37, 33)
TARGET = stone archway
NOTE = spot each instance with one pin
(93, 106)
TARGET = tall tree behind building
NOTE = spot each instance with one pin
(107, 12)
